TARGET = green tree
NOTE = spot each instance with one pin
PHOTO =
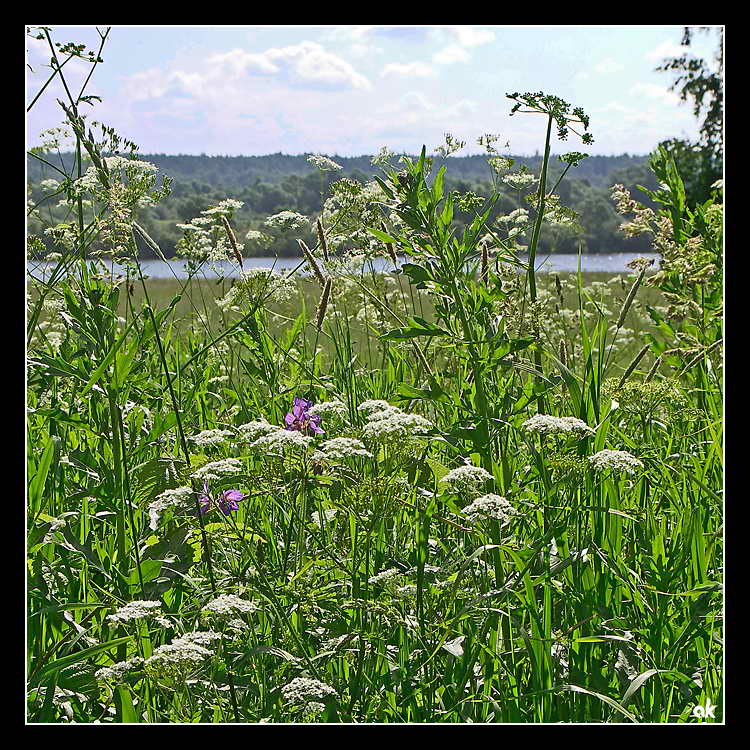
(697, 81)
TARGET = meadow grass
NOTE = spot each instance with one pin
(463, 493)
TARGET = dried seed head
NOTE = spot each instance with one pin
(232, 239)
(323, 304)
(312, 263)
(322, 239)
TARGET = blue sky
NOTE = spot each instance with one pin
(350, 90)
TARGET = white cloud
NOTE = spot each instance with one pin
(467, 36)
(451, 54)
(654, 91)
(666, 49)
(609, 65)
(414, 69)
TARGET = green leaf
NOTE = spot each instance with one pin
(417, 327)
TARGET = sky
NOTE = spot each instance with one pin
(350, 90)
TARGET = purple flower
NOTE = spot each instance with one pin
(226, 502)
(300, 419)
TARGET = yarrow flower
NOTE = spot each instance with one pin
(303, 690)
(467, 478)
(489, 506)
(616, 461)
(544, 424)
(301, 419)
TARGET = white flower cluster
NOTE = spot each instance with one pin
(616, 461)
(248, 433)
(205, 237)
(287, 221)
(328, 409)
(386, 423)
(489, 506)
(466, 478)
(227, 605)
(116, 672)
(343, 447)
(544, 424)
(519, 180)
(176, 660)
(258, 286)
(203, 638)
(216, 469)
(211, 437)
(303, 690)
(279, 442)
(136, 610)
(323, 163)
(181, 499)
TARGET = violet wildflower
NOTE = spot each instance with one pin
(300, 419)
(226, 502)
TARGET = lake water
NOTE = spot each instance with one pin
(159, 269)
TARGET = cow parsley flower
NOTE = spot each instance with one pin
(181, 499)
(303, 690)
(466, 478)
(287, 221)
(328, 409)
(136, 610)
(343, 447)
(386, 423)
(227, 605)
(248, 433)
(323, 163)
(215, 470)
(385, 576)
(544, 424)
(176, 661)
(117, 672)
(211, 437)
(279, 442)
(616, 461)
(489, 506)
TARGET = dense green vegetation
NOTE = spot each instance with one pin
(277, 182)
(459, 492)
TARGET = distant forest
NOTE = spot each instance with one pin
(278, 182)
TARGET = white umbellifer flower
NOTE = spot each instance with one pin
(385, 576)
(546, 425)
(465, 478)
(287, 221)
(489, 506)
(303, 690)
(281, 441)
(328, 409)
(342, 447)
(519, 180)
(372, 406)
(386, 423)
(200, 638)
(49, 184)
(180, 498)
(216, 469)
(248, 433)
(211, 437)
(116, 672)
(615, 460)
(323, 163)
(227, 605)
(225, 208)
(137, 610)
(258, 285)
(176, 660)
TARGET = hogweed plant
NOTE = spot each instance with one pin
(460, 492)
